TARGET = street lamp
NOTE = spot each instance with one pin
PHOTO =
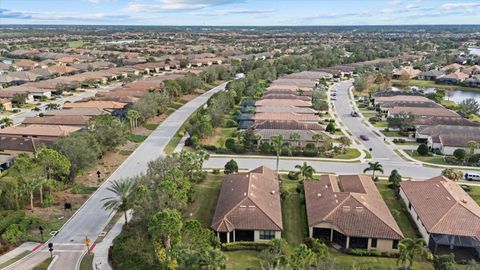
(50, 248)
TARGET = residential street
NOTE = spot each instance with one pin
(91, 219)
(381, 152)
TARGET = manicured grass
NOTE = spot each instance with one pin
(172, 144)
(43, 265)
(369, 114)
(408, 143)
(398, 210)
(220, 135)
(429, 159)
(205, 199)
(350, 154)
(87, 262)
(136, 138)
(293, 213)
(475, 193)
(150, 126)
(373, 263)
(383, 124)
(75, 43)
(243, 259)
(427, 84)
(368, 155)
(18, 257)
(392, 133)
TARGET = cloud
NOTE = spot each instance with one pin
(99, 1)
(455, 6)
(11, 14)
(176, 5)
(395, 2)
(58, 17)
(412, 6)
(233, 12)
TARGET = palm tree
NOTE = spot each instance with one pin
(409, 247)
(277, 144)
(472, 145)
(317, 137)
(30, 185)
(7, 122)
(133, 116)
(305, 170)
(295, 137)
(124, 191)
(374, 166)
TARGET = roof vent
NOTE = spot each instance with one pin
(336, 201)
(272, 192)
(448, 198)
(251, 206)
(464, 201)
(359, 209)
(243, 206)
(334, 195)
(346, 208)
(244, 194)
(319, 195)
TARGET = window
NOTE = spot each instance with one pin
(395, 244)
(409, 206)
(374, 243)
(267, 235)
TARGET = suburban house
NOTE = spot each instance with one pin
(45, 132)
(406, 73)
(248, 207)
(76, 111)
(66, 120)
(453, 78)
(287, 124)
(448, 138)
(304, 118)
(14, 146)
(305, 136)
(350, 212)
(283, 102)
(422, 111)
(446, 216)
(6, 104)
(114, 108)
(430, 75)
(421, 121)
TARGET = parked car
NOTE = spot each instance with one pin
(354, 114)
(472, 176)
(364, 137)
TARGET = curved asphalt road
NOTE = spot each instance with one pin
(381, 152)
(91, 219)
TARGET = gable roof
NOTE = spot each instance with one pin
(283, 102)
(443, 206)
(38, 130)
(22, 144)
(287, 124)
(301, 117)
(352, 204)
(249, 201)
(67, 120)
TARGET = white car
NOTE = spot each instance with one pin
(472, 176)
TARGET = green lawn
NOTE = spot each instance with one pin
(205, 199)
(172, 144)
(87, 261)
(392, 133)
(397, 209)
(369, 114)
(18, 257)
(150, 126)
(242, 260)
(293, 213)
(136, 138)
(43, 265)
(75, 43)
(350, 154)
(475, 193)
(408, 143)
(220, 135)
(429, 159)
(383, 124)
(368, 155)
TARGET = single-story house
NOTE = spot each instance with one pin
(304, 118)
(77, 111)
(15, 146)
(430, 75)
(115, 108)
(422, 111)
(406, 73)
(286, 96)
(446, 216)
(45, 132)
(289, 109)
(248, 207)
(66, 120)
(283, 102)
(448, 138)
(287, 124)
(6, 104)
(452, 78)
(306, 136)
(350, 212)
(421, 121)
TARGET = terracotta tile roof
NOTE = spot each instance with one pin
(308, 75)
(305, 135)
(66, 120)
(404, 98)
(77, 111)
(39, 130)
(443, 206)
(435, 132)
(104, 105)
(424, 111)
(249, 201)
(286, 124)
(292, 109)
(286, 96)
(441, 120)
(286, 116)
(353, 205)
(22, 144)
(283, 102)
(286, 91)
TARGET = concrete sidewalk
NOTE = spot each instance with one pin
(27, 246)
(100, 252)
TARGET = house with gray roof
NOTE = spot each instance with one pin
(449, 138)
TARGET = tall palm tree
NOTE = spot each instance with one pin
(29, 186)
(295, 137)
(472, 145)
(305, 170)
(410, 247)
(277, 144)
(124, 191)
(374, 166)
(7, 122)
(317, 137)
(133, 117)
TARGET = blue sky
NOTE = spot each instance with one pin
(239, 12)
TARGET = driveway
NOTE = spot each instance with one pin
(91, 219)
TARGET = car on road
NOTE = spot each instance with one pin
(472, 176)
(333, 98)
(364, 137)
(354, 114)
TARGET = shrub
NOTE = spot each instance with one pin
(293, 175)
(13, 234)
(330, 128)
(229, 123)
(216, 171)
(231, 167)
(223, 151)
(265, 148)
(209, 147)
(286, 151)
(245, 246)
(310, 153)
(474, 158)
(8, 218)
(362, 252)
(230, 143)
(422, 149)
(181, 133)
(239, 149)
(310, 146)
(374, 119)
(459, 154)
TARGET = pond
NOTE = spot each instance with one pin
(457, 95)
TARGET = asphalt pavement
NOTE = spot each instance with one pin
(91, 219)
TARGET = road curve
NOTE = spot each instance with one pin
(91, 219)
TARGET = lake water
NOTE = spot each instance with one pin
(457, 95)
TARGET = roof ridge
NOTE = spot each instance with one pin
(443, 217)
(254, 202)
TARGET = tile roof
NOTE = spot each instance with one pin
(22, 144)
(287, 124)
(39, 130)
(104, 105)
(463, 133)
(424, 111)
(293, 109)
(286, 116)
(286, 96)
(305, 135)
(249, 201)
(443, 206)
(353, 204)
(441, 120)
(283, 102)
(77, 111)
(67, 120)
